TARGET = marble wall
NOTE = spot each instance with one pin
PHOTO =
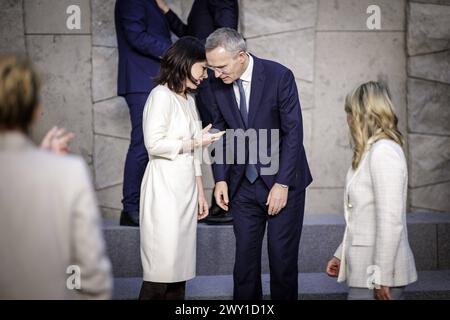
(327, 45)
(428, 96)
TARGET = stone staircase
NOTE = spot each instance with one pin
(429, 236)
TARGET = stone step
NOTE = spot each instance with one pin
(429, 236)
(431, 285)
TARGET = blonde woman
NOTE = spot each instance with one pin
(374, 258)
(49, 217)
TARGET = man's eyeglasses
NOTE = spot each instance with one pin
(219, 70)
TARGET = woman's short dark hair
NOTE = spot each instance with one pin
(177, 63)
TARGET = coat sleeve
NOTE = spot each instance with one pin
(132, 19)
(225, 13)
(88, 247)
(389, 176)
(176, 25)
(156, 123)
(198, 152)
(291, 135)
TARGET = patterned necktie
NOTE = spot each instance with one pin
(251, 173)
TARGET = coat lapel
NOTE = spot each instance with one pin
(228, 104)
(258, 79)
(361, 163)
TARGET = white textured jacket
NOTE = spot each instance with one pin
(375, 248)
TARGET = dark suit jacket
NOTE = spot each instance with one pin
(205, 17)
(274, 104)
(143, 36)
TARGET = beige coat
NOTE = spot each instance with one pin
(49, 221)
(375, 247)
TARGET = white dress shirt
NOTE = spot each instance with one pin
(246, 83)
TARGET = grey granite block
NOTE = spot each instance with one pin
(11, 27)
(64, 62)
(261, 17)
(434, 197)
(435, 66)
(112, 117)
(50, 16)
(104, 73)
(109, 159)
(428, 107)
(428, 28)
(351, 15)
(103, 28)
(429, 158)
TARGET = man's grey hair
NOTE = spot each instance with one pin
(227, 38)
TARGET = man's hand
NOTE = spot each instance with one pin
(277, 199)
(382, 294)
(162, 5)
(221, 195)
(57, 140)
(333, 267)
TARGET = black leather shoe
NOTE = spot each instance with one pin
(130, 219)
(218, 216)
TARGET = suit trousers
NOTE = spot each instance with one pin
(137, 156)
(283, 236)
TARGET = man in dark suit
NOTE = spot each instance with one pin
(143, 36)
(259, 96)
(205, 17)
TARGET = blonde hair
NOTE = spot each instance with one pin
(19, 93)
(373, 118)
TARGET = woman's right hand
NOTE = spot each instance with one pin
(333, 267)
(208, 138)
(57, 140)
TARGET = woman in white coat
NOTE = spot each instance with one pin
(374, 258)
(172, 196)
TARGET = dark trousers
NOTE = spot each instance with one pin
(137, 156)
(283, 237)
(162, 291)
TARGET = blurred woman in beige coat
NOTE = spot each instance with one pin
(374, 258)
(51, 244)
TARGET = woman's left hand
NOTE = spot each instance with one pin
(203, 208)
(382, 294)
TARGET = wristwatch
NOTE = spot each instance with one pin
(283, 186)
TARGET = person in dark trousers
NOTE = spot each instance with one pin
(259, 97)
(143, 36)
(205, 17)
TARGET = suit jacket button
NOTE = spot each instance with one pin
(350, 205)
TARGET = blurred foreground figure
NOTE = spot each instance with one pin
(51, 246)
